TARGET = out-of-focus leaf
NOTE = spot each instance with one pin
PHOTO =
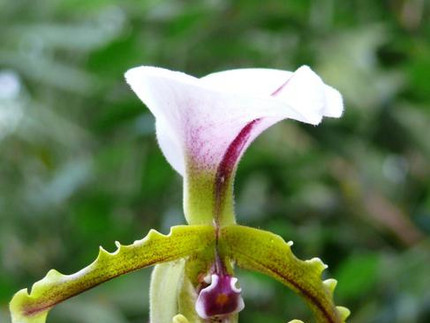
(358, 276)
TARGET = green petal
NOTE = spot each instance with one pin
(268, 253)
(182, 241)
(166, 281)
(187, 301)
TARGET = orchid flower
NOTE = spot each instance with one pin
(204, 125)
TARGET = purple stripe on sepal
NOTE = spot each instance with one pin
(228, 164)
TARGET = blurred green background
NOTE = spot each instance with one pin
(80, 166)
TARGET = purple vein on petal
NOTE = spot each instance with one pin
(279, 89)
(227, 166)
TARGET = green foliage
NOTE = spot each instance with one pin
(358, 276)
(80, 167)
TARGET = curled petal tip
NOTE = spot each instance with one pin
(233, 285)
(334, 102)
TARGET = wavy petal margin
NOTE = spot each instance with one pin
(182, 241)
(250, 248)
(269, 254)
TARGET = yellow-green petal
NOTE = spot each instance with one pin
(166, 281)
(268, 253)
(182, 241)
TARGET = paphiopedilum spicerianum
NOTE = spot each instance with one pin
(204, 125)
